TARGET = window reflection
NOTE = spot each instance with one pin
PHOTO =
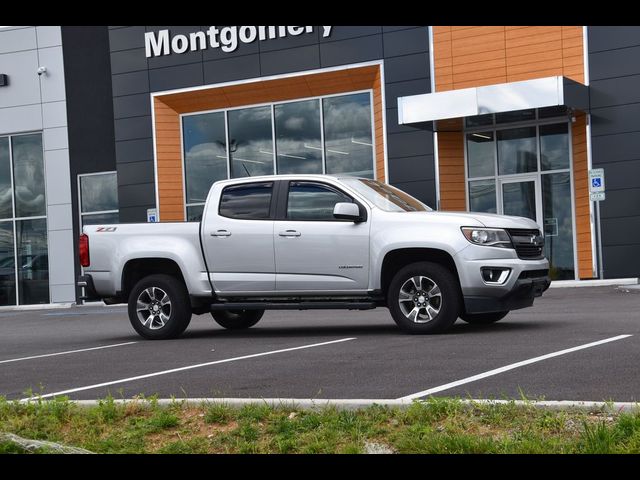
(205, 153)
(5, 180)
(33, 261)
(310, 201)
(99, 192)
(482, 196)
(554, 146)
(298, 144)
(7, 265)
(348, 137)
(250, 142)
(28, 175)
(481, 154)
(558, 226)
(517, 152)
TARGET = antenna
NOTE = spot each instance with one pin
(245, 169)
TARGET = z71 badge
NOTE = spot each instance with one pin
(106, 229)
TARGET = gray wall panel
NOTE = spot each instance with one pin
(343, 32)
(126, 38)
(409, 144)
(409, 169)
(618, 231)
(291, 60)
(392, 28)
(23, 86)
(125, 61)
(135, 151)
(615, 148)
(54, 114)
(608, 38)
(622, 261)
(130, 83)
(401, 89)
(13, 40)
(132, 128)
(394, 127)
(407, 67)
(287, 42)
(20, 119)
(49, 36)
(136, 195)
(405, 42)
(181, 76)
(613, 120)
(615, 91)
(132, 105)
(235, 68)
(620, 203)
(135, 214)
(622, 175)
(351, 51)
(614, 63)
(52, 83)
(135, 173)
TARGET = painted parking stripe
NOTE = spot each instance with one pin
(66, 353)
(181, 369)
(497, 371)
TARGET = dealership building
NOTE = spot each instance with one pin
(101, 125)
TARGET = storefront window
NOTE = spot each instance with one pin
(321, 135)
(205, 154)
(481, 152)
(250, 142)
(348, 135)
(24, 258)
(298, 137)
(99, 198)
(517, 151)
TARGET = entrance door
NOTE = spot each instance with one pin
(522, 197)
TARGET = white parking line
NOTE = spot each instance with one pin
(496, 371)
(181, 369)
(65, 353)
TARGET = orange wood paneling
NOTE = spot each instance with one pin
(167, 109)
(581, 187)
(451, 164)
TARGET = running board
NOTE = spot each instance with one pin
(294, 306)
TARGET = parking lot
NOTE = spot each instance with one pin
(574, 344)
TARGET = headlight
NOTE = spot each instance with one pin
(491, 237)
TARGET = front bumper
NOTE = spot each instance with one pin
(521, 295)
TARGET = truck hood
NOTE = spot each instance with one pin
(486, 219)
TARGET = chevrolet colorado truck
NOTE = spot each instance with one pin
(315, 242)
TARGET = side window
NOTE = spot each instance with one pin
(313, 201)
(251, 201)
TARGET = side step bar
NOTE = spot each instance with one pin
(294, 306)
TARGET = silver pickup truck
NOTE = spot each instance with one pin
(315, 242)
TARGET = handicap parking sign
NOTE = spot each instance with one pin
(596, 182)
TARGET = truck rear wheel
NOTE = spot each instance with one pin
(424, 298)
(483, 318)
(237, 319)
(159, 307)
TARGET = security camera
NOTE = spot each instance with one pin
(42, 70)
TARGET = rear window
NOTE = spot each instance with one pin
(250, 201)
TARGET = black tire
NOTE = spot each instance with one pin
(483, 318)
(445, 307)
(237, 319)
(171, 318)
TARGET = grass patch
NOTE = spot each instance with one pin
(438, 425)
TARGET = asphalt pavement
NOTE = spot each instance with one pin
(579, 344)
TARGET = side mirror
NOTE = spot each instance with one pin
(347, 211)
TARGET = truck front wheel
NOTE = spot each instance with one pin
(159, 307)
(237, 319)
(424, 297)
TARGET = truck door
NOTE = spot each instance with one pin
(316, 252)
(237, 238)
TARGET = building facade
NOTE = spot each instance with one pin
(502, 119)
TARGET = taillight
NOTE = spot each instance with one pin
(84, 250)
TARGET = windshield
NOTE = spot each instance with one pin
(386, 197)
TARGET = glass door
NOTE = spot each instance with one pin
(521, 196)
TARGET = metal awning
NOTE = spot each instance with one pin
(502, 97)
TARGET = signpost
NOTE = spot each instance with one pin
(597, 194)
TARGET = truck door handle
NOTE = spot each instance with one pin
(290, 233)
(221, 233)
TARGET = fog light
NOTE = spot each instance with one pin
(495, 275)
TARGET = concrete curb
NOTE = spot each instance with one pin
(355, 404)
(593, 283)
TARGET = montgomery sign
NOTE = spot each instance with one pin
(226, 38)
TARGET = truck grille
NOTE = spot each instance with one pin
(525, 247)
